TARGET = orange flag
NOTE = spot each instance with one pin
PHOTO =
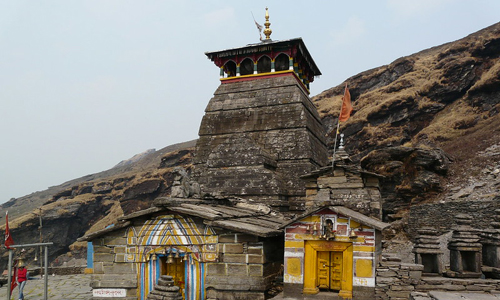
(346, 110)
(8, 238)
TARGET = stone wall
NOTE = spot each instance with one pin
(441, 216)
(247, 268)
(346, 188)
(108, 272)
(397, 280)
(57, 270)
(257, 138)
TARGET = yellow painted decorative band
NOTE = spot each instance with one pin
(364, 248)
(268, 74)
(257, 75)
(294, 244)
(312, 219)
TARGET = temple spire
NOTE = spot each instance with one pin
(268, 30)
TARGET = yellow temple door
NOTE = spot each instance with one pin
(176, 270)
(329, 270)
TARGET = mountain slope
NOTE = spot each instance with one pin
(443, 98)
(429, 122)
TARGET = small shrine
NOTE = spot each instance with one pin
(345, 184)
(428, 252)
(465, 249)
(332, 249)
(490, 239)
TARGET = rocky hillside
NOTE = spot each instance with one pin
(92, 202)
(428, 122)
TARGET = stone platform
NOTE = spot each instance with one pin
(60, 287)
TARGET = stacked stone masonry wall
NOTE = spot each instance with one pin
(346, 189)
(442, 215)
(396, 280)
(243, 267)
(108, 273)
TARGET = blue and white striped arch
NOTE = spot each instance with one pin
(178, 234)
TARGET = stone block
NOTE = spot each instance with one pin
(256, 259)
(103, 249)
(227, 238)
(104, 257)
(347, 185)
(387, 273)
(452, 287)
(233, 248)
(120, 268)
(255, 270)
(324, 182)
(120, 250)
(255, 250)
(311, 192)
(386, 280)
(241, 282)
(415, 275)
(399, 294)
(354, 179)
(115, 240)
(241, 238)
(237, 269)
(235, 258)
(478, 288)
(216, 269)
(426, 287)
(114, 281)
(402, 288)
(98, 268)
(120, 258)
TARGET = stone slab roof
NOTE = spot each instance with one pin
(254, 219)
(91, 236)
(348, 167)
(241, 219)
(354, 215)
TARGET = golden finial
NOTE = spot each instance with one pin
(268, 30)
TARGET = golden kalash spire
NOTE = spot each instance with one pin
(268, 30)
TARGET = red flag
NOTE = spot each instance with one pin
(346, 110)
(13, 282)
(8, 238)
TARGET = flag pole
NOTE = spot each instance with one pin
(337, 131)
(9, 277)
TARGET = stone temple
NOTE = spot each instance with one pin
(265, 207)
(263, 201)
(261, 131)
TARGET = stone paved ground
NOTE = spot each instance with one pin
(76, 287)
(63, 287)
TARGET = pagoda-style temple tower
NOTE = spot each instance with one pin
(261, 131)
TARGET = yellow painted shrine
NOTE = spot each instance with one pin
(333, 249)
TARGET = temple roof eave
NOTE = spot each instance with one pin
(329, 169)
(354, 215)
(260, 223)
(254, 48)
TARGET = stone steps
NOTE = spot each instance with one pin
(165, 290)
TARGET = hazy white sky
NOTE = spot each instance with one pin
(86, 84)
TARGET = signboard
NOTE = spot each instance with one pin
(109, 293)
